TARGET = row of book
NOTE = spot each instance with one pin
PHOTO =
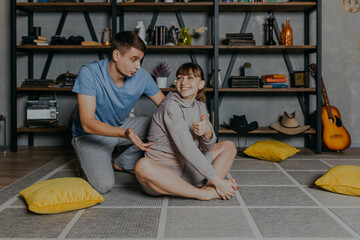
(35, 40)
(159, 36)
(41, 123)
(245, 81)
(236, 39)
(274, 81)
(266, 81)
(39, 83)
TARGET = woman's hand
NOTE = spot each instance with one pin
(131, 135)
(202, 128)
(225, 188)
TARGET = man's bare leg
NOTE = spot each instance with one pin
(164, 181)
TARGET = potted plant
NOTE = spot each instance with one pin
(161, 71)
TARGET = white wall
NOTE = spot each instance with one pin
(341, 70)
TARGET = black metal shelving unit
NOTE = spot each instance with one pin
(116, 12)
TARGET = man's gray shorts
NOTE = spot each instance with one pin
(95, 153)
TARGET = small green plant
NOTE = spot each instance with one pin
(161, 70)
(247, 65)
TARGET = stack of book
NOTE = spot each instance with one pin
(41, 123)
(38, 83)
(274, 81)
(244, 81)
(160, 37)
(35, 40)
(236, 39)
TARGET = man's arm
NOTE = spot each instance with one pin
(87, 107)
(157, 98)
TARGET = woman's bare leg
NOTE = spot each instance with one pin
(164, 181)
(224, 154)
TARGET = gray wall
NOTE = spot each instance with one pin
(341, 71)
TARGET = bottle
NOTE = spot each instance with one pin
(186, 37)
(288, 34)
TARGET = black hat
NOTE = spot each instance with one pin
(240, 125)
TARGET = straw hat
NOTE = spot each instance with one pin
(289, 125)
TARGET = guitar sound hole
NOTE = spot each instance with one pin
(338, 122)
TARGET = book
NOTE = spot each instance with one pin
(39, 80)
(273, 80)
(39, 41)
(231, 41)
(245, 82)
(240, 35)
(90, 43)
(275, 85)
(274, 76)
(42, 38)
(245, 77)
(242, 44)
(245, 86)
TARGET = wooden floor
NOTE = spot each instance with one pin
(14, 166)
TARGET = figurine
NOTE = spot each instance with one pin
(140, 25)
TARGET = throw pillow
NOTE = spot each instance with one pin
(344, 179)
(271, 150)
(60, 195)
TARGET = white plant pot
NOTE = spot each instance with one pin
(161, 82)
(169, 1)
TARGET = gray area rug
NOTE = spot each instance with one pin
(275, 201)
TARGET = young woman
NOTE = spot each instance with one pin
(184, 152)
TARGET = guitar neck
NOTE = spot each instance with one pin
(326, 99)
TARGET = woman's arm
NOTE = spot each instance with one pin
(178, 129)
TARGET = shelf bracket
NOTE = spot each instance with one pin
(150, 28)
(234, 55)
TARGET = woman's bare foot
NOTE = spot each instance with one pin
(210, 193)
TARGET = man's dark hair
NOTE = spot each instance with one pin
(124, 41)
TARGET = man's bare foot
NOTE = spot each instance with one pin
(210, 193)
(116, 167)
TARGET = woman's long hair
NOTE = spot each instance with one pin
(193, 68)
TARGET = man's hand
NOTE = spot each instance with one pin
(131, 135)
(202, 128)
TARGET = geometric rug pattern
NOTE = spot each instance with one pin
(274, 201)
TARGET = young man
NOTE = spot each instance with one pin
(106, 91)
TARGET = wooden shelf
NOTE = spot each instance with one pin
(270, 90)
(64, 6)
(70, 48)
(166, 7)
(44, 130)
(174, 89)
(197, 48)
(254, 90)
(261, 130)
(47, 89)
(264, 7)
(268, 49)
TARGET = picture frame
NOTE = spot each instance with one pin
(300, 79)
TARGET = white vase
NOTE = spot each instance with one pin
(169, 1)
(161, 82)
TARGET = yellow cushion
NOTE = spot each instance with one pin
(271, 150)
(344, 179)
(60, 195)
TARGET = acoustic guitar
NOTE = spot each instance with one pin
(335, 135)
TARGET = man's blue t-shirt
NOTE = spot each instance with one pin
(113, 104)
